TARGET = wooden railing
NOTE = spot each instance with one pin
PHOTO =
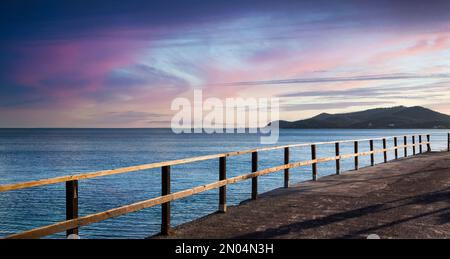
(74, 221)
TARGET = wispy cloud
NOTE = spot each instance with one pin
(338, 79)
(73, 63)
(397, 90)
(124, 118)
(336, 105)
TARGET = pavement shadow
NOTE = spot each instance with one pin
(442, 213)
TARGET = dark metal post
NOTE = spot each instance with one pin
(385, 151)
(72, 204)
(372, 156)
(223, 189)
(429, 143)
(254, 179)
(314, 165)
(286, 171)
(405, 142)
(396, 147)
(414, 144)
(356, 156)
(165, 190)
(338, 161)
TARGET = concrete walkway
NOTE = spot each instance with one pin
(407, 198)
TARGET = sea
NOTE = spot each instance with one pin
(33, 154)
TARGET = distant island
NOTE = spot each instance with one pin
(399, 117)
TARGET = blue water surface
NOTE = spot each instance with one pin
(32, 154)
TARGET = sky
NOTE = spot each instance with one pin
(122, 63)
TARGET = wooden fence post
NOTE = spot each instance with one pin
(385, 151)
(314, 165)
(414, 145)
(429, 143)
(223, 189)
(286, 171)
(372, 156)
(254, 179)
(356, 156)
(405, 142)
(165, 190)
(396, 147)
(338, 161)
(72, 204)
(420, 144)
(448, 142)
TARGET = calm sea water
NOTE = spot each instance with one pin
(31, 154)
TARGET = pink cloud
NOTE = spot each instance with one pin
(71, 68)
(268, 65)
(423, 44)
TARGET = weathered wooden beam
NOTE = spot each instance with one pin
(372, 156)
(420, 145)
(414, 146)
(254, 179)
(338, 161)
(314, 165)
(286, 171)
(405, 142)
(448, 141)
(385, 151)
(429, 143)
(165, 190)
(222, 189)
(356, 157)
(72, 204)
(396, 147)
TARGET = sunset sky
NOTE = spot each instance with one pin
(121, 63)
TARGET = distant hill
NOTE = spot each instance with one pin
(399, 117)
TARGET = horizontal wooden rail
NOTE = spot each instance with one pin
(83, 176)
(75, 223)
